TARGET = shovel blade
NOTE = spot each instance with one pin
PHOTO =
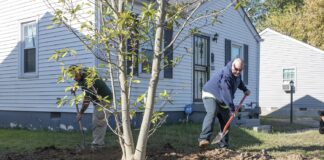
(219, 137)
(80, 148)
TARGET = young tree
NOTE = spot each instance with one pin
(116, 35)
(260, 10)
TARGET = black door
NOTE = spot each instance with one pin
(201, 49)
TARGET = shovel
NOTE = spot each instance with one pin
(221, 135)
(82, 145)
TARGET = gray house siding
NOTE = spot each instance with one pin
(34, 99)
(279, 52)
(234, 26)
(31, 101)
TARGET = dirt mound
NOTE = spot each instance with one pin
(221, 154)
(166, 152)
(226, 154)
(46, 153)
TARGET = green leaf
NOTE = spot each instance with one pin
(60, 79)
(164, 94)
(136, 81)
(72, 102)
(140, 97)
(73, 52)
(68, 89)
(61, 101)
(50, 27)
(237, 6)
(53, 57)
(132, 113)
(156, 117)
(101, 65)
(141, 108)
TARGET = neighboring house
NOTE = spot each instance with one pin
(28, 88)
(284, 59)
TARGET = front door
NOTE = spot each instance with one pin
(201, 47)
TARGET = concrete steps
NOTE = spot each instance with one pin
(244, 119)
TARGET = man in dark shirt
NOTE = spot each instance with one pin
(94, 92)
(218, 94)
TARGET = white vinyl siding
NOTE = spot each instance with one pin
(40, 94)
(233, 27)
(282, 59)
(18, 93)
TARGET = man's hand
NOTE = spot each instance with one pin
(232, 109)
(79, 116)
(73, 89)
(247, 93)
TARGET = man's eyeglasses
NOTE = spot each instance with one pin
(237, 69)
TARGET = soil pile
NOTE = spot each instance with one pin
(166, 152)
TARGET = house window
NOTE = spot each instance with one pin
(147, 60)
(289, 74)
(236, 52)
(28, 55)
(147, 53)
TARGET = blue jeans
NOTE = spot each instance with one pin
(213, 110)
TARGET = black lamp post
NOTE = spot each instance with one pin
(292, 89)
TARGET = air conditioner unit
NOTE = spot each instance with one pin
(286, 87)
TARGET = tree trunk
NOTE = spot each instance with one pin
(128, 141)
(127, 132)
(140, 152)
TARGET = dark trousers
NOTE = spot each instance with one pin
(213, 109)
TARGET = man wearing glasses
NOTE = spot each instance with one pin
(217, 95)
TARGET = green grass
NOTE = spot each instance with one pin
(18, 140)
(286, 139)
(282, 125)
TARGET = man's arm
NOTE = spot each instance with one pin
(85, 105)
(226, 93)
(243, 88)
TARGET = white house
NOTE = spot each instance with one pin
(28, 88)
(284, 59)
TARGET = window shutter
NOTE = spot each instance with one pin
(246, 64)
(228, 46)
(168, 54)
(132, 48)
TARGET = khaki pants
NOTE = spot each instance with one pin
(99, 125)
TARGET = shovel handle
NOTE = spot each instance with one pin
(233, 115)
(80, 123)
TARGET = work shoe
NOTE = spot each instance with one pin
(203, 143)
(223, 145)
(97, 147)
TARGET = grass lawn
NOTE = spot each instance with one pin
(285, 139)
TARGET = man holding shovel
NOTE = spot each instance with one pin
(95, 92)
(217, 95)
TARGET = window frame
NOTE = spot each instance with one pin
(240, 50)
(241, 54)
(21, 56)
(295, 75)
(149, 45)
